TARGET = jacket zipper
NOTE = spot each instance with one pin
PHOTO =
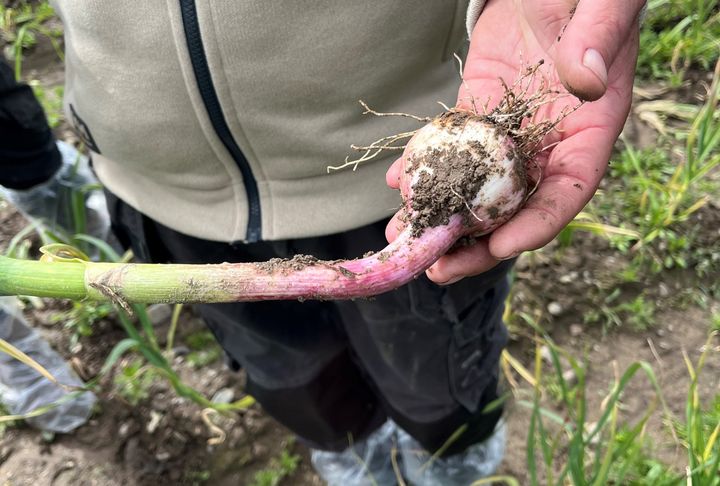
(210, 99)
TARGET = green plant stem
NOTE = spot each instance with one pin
(125, 283)
(170, 341)
(56, 280)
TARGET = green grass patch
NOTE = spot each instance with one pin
(280, 468)
(51, 100)
(204, 349)
(570, 442)
(20, 27)
(134, 381)
(5, 425)
(81, 317)
(636, 466)
(637, 314)
(650, 198)
(678, 35)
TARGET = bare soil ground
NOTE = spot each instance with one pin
(567, 284)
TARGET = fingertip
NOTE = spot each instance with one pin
(594, 61)
(390, 232)
(464, 262)
(437, 275)
(589, 46)
(507, 254)
(530, 229)
(392, 176)
(394, 226)
(503, 248)
(585, 78)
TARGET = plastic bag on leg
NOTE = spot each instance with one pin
(51, 202)
(476, 462)
(22, 389)
(366, 462)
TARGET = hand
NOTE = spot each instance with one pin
(592, 52)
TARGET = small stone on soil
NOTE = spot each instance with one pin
(259, 450)
(132, 453)
(523, 262)
(162, 456)
(570, 377)
(224, 395)
(555, 309)
(546, 355)
(124, 429)
(155, 418)
(159, 313)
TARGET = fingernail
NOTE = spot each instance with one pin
(452, 281)
(510, 256)
(449, 281)
(594, 61)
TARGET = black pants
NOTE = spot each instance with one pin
(424, 355)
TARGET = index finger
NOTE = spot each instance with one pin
(571, 177)
(575, 167)
(392, 176)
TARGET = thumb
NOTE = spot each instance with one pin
(590, 43)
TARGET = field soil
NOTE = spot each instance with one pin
(165, 439)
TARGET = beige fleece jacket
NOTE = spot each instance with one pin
(219, 118)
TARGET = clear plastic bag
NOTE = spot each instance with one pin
(370, 461)
(367, 462)
(476, 462)
(51, 203)
(22, 389)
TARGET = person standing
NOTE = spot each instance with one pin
(212, 124)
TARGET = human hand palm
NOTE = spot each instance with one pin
(509, 36)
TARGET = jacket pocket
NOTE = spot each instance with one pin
(478, 338)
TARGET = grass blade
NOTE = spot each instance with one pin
(120, 349)
(9, 349)
(103, 247)
(510, 481)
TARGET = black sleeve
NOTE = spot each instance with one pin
(28, 155)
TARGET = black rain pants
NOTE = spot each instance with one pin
(425, 355)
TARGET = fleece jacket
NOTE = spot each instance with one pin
(219, 119)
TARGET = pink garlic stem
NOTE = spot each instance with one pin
(406, 258)
(403, 260)
(300, 278)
